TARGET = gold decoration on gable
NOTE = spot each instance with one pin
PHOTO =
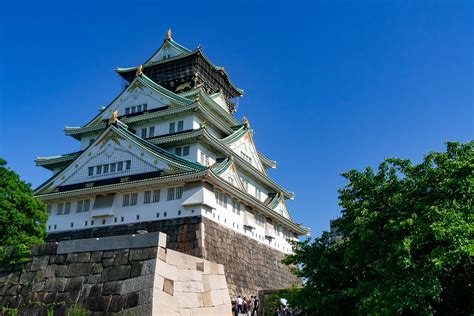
(246, 122)
(114, 118)
(110, 135)
(139, 70)
(168, 34)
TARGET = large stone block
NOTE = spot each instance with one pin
(115, 273)
(78, 257)
(39, 263)
(214, 282)
(112, 288)
(79, 269)
(55, 285)
(74, 284)
(142, 253)
(137, 284)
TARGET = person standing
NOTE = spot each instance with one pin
(255, 306)
(240, 303)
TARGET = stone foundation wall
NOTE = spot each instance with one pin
(120, 275)
(250, 265)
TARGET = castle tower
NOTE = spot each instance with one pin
(167, 154)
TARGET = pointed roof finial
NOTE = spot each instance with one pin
(246, 122)
(114, 117)
(168, 34)
(139, 70)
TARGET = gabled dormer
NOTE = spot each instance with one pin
(117, 155)
(242, 144)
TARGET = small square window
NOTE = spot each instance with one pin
(164, 214)
(112, 167)
(90, 171)
(139, 108)
(133, 109)
(151, 131)
(106, 168)
(72, 224)
(55, 226)
(138, 217)
(179, 213)
(85, 223)
(49, 227)
(144, 130)
(122, 219)
(98, 169)
(115, 220)
(103, 222)
(157, 214)
(145, 107)
(177, 151)
(119, 166)
(180, 126)
(128, 164)
(92, 223)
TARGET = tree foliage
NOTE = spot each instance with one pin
(22, 216)
(406, 241)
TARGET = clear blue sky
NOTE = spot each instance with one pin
(330, 85)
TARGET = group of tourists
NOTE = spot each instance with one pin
(244, 306)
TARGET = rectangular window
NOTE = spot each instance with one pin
(92, 223)
(179, 213)
(151, 131)
(180, 126)
(132, 109)
(133, 198)
(103, 222)
(119, 166)
(139, 108)
(147, 197)
(145, 107)
(170, 194)
(86, 205)
(122, 219)
(157, 214)
(259, 220)
(60, 209)
(156, 196)
(115, 219)
(106, 168)
(164, 214)
(91, 171)
(79, 206)
(143, 132)
(48, 209)
(177, 151)
(72, 224)
(127, 111)
(112, 167)
(186, 151)
(126, 200)
(172, 127)
(257, 193)
(98, 169)
(128, 163)
(179, 192)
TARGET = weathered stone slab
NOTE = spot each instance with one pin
(137, 284)
(78, 257)
(115, 273)
(142, 253)
(107, 243)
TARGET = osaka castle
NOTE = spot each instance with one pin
(169, 154)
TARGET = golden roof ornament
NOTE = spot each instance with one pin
(168, 34)
(246, 122)
(139, 70)
(114, 117)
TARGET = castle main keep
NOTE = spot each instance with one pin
(168, 154)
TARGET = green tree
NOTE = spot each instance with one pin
(406, 241)
(22, 217)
